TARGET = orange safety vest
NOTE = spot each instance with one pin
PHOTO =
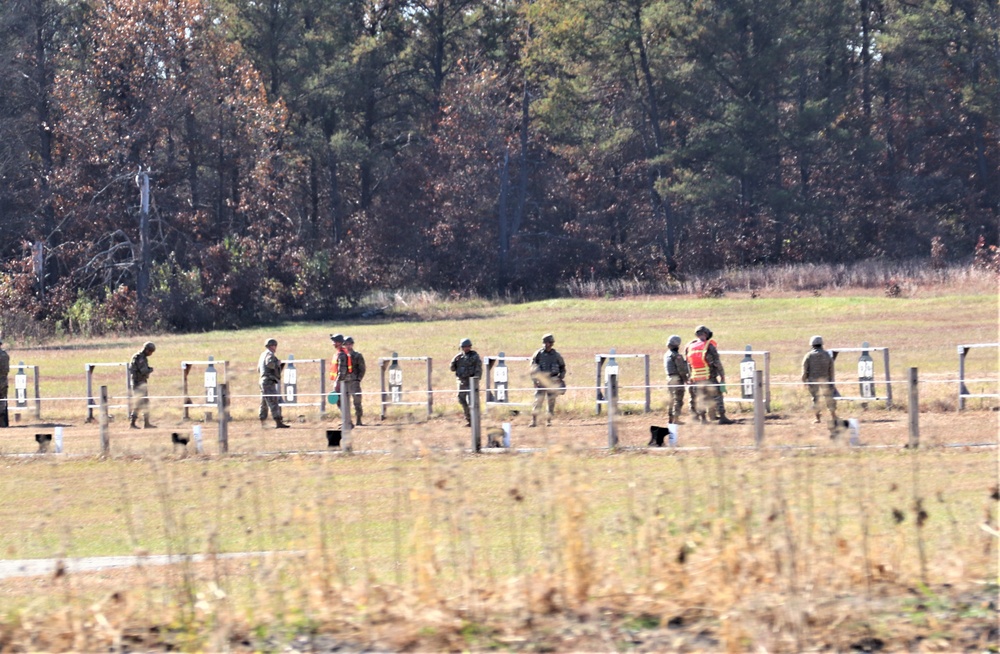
(695, 353)
(335, 364)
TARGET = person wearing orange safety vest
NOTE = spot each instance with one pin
(338, 347)
(350, 372)
(707, 376)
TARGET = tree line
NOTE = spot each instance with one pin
(301, 153)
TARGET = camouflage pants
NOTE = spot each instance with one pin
(463, 398)
(676, 391)
(140, 400)
(270, 400)
(706, 397)
(824, 393)
(545, 397)
(352, 389)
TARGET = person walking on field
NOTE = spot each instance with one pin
(677, 373)
(548, 373)
(817, 375)
(4, 372)
(338, 346)
(269, 367)
(707, 377)
(466, 365)
(139, 372)
(350, 372)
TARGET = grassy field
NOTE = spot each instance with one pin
(920, 331)
(563, 550)
(418, 545)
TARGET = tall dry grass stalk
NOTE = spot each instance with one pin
(774, 550)
(905, 276)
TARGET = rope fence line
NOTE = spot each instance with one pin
(342, 438)
(452, 391)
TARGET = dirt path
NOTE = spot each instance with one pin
(10, 569)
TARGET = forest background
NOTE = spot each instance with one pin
(304, 153)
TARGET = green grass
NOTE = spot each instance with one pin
(920, 332)
(425, 547)
(451, 550)
(89, 508)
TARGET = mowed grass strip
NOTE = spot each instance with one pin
(121, 506)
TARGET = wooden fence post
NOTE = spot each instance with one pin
(103, 421)
(221, 403)
(474, 413)
(914, 408)
(758, 407)
(611, 393)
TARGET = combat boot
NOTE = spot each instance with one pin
(132, 418)
(146, 424)
(358, 422)
(280, 424)
(534, 422)
(723, 420)
(702, 418)
(817, 420)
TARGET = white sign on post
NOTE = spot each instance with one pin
(500, 380)
(289, 378)
(211, 386)
(395, 383)
(747, 369)
(866, 375)
(21, 388)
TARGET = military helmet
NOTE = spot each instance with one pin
(816, 341)
(675, 341)
(548, 338)
(269, 342)
(702, 329)
(348, 339)
(149, 345)
(337, 338)
(465, 343)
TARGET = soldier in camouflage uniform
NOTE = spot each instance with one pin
(677, 373)
(817, 375)
(707, 377)
(4, 372)
(350, 372)
(269, 367)
(139, 371)
(548, 372)
(466, 365)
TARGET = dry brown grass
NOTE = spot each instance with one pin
(416, 545)
(562, 550)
